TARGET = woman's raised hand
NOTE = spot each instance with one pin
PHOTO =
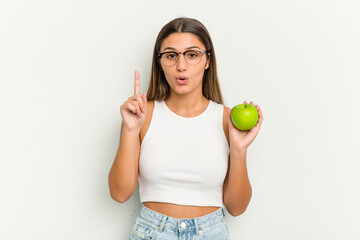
(133, 110)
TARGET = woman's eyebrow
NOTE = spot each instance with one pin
(171, 48)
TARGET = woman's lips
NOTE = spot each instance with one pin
(182, 80)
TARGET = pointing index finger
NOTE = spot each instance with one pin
(137, 83)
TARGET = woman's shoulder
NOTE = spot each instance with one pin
(150, 103)
(146, 125)
(149, 109)
(222, 106)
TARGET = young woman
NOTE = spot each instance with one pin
(179, 140)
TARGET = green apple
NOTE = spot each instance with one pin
(244, 116)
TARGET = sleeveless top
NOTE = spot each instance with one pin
(184, 160)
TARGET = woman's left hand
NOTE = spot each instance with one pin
(239, 139)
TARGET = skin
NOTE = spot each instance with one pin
(187, 101)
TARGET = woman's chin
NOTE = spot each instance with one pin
(182, 91)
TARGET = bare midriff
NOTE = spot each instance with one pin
(179, 211)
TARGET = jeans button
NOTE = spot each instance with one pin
(183, 225)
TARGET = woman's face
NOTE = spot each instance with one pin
(184, 78)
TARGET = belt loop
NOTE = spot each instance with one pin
(223, 211)
(196, 227)
(162, 224)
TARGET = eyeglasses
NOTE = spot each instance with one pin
(191, 57)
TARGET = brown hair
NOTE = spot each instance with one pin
(159, 89)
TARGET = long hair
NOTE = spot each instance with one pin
(159, 89)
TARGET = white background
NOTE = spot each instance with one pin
(67, 66)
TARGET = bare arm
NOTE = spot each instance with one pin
(237, 188)
(237, 193)
(124, 171)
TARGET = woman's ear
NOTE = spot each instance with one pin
(207, 62)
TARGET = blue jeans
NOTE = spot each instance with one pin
(151, 225)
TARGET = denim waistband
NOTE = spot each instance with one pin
(190, 224)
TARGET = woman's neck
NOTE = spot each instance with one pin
(187, 105)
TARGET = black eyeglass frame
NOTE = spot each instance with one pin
(183, 53)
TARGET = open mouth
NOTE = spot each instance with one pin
(182, 80)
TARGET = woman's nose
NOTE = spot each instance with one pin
(181, 63)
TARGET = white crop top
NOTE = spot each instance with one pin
(184, 160)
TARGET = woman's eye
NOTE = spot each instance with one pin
(192, 54)
(170, 56)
